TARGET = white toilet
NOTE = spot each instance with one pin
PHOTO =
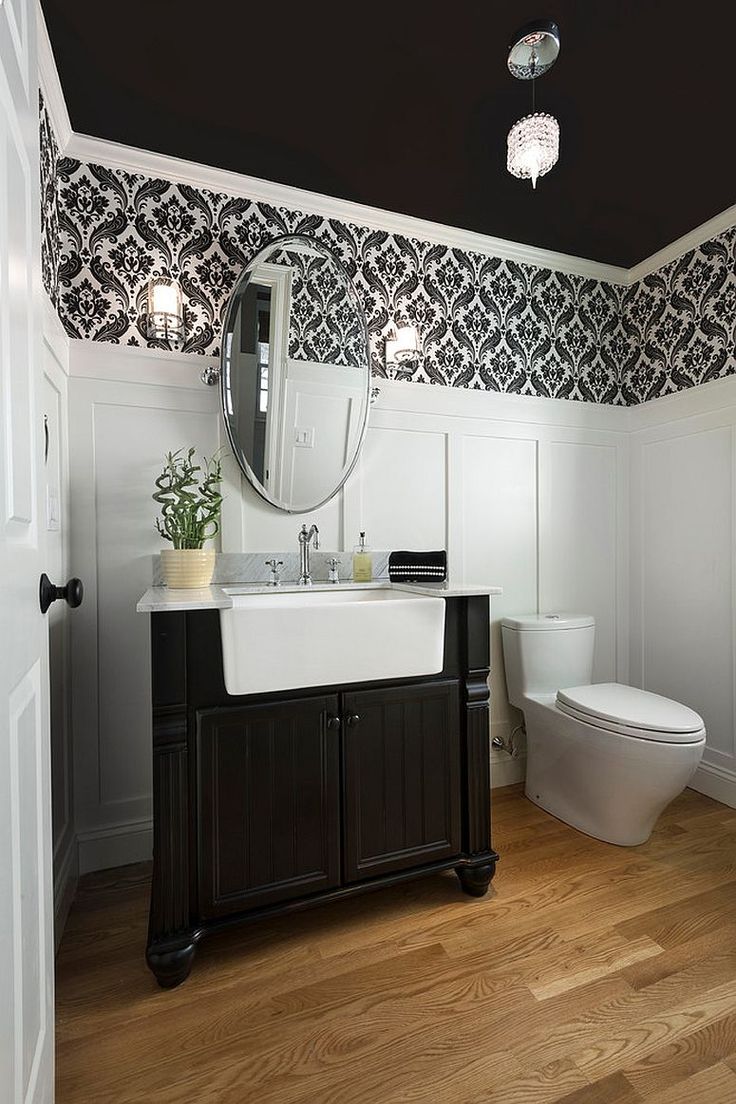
(603, 757)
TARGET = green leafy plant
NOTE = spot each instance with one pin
(190, 499)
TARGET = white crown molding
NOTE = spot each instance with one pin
(691, 240)
(48, 78)
(115, 155)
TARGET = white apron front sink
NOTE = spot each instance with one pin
(287, 640)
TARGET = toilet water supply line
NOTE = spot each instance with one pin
(510, 745)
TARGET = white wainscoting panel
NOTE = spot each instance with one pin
(402, 476)
(497, 482)
(516, 489)
(683, 548)
(119, 435)
(579, 540)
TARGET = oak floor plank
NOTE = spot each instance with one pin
(679, 1060)
(609, 1031)
(674, 959)
(614, 1089)
(715, 1085)
(609, 954)
(685, 921)
(588, 975)
(543, 1086)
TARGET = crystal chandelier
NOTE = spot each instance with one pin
(533, 144)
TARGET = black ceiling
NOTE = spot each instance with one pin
(406, 106)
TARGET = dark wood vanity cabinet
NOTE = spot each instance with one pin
(272, 803)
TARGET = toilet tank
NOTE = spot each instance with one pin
(545, 652)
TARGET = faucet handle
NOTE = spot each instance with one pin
(333, 563)
(275, 573)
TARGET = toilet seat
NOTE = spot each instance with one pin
(632, 712)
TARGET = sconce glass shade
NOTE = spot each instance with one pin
(403, 347)
(165, 310)
(533, 146)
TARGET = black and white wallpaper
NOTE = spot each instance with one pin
(485, 323)
(682, 321)
(49, 159)
(324, 325)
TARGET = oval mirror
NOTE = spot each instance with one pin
(295, 378)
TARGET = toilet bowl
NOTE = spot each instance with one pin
(604, 757)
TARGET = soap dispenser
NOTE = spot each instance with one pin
(362, 562)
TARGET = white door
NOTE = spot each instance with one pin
(26, 910)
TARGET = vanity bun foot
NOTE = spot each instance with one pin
(475, 880)
(171, 963)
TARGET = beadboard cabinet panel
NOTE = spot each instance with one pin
(268, 803)
(402, 778)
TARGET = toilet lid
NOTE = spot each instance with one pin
(634, 712)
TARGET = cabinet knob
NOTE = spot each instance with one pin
(333, 722)
(353, 719)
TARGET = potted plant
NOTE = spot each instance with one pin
(190, 500)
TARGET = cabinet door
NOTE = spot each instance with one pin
(402, 778)
(268, 803)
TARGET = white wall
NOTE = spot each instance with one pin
(683, 603)
(520, 490)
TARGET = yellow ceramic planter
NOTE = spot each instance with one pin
(187, 568)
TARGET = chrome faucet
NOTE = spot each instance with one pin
(305, 538)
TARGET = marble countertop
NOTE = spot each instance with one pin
(160, 599)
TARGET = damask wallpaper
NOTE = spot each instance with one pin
(485, 323)
(49, 157)
(324, 325)
(682, 321)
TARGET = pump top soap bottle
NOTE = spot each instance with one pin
(362, 562)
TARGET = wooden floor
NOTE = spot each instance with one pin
(590, 974)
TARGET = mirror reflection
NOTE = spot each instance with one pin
(295, 373)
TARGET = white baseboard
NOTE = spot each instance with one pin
(506, 771)
(715, 782)
(117, 846)
(65, 886)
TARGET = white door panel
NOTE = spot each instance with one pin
(17, 49)
(26, 962)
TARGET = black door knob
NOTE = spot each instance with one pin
(72, 593)
(333, 722)
(353, 719)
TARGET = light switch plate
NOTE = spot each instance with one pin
(53, 513)
(304, 438)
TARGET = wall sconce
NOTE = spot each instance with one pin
(165, 310)
(402, 346)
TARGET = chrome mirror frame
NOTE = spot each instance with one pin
(261, 255)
